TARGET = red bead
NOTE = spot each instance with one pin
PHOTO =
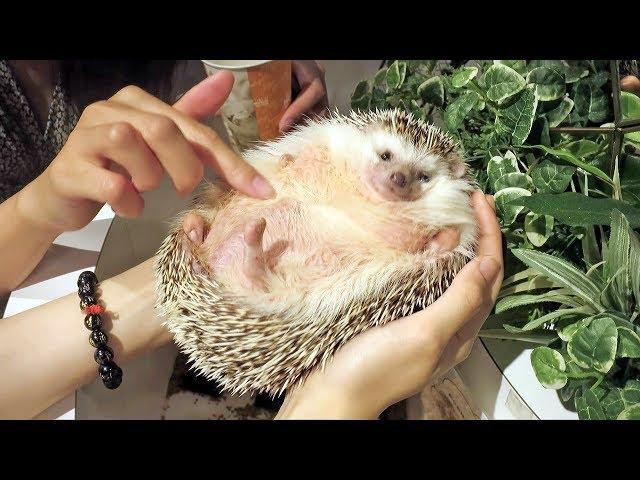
(94, 309)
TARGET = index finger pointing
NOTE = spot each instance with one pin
(206, 143)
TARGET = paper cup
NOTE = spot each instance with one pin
(261, 94)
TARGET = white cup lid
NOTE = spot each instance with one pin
(234, 64)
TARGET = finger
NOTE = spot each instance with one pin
(630, 83)
(476, 286)
(206, 143)
(206, 98)
(308, 98)
(104, 186)
(163, 137)
(122, 144)
(491, 201)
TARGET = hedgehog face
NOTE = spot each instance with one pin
(394, 170)
(412, 170)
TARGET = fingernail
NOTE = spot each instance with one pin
(262, 188)
(286, 125)
(193, 236)
(491, 201)
(489, 269)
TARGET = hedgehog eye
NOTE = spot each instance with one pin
(423, 177)
(385, 156)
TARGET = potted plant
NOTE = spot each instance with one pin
(557, 144)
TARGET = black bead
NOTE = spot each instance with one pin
(86, 301)
(98, 338)
(111, 375)
(85, 289)
(87, 277)
(103, 355)
(93, 321)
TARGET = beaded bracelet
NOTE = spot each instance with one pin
(110, 373)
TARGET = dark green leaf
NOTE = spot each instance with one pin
(518, 65)
(634, 265)
(630, 413)
(551, 178)
(456, 111)
(517, 119)
(558, 114)
(594, 345)
(590, 101)
(499, 166)
(583, 148)
(380, 78)
(361, 89)
(538, 228)
(463, 76)
(561, 272)
(549, 82)
(506, 210)
(571, 158)
(628, 343)
(617, 258)
(630, 110)
(396, 75)
(573, 73)
(514, 301)
(549, 367)
(432, 91)
(520, 180)
(589, 407)
(542, 338)
(575, 209)
(502, 82)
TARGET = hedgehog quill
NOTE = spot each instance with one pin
(371, 221)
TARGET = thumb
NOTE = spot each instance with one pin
(468, 297)
(206, 98)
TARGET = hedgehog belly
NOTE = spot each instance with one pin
(246, 351)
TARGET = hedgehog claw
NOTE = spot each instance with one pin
(193, 227)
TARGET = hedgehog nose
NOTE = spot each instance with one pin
(399, 179)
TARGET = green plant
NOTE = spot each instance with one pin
(555, 194)
(596, 342)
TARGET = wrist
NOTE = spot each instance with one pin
(28, 206)
(131, 295)
(310, 402)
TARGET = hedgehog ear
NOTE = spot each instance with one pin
(457, 166)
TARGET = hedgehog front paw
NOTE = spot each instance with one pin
(446, 240)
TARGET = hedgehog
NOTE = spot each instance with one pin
(371, 221)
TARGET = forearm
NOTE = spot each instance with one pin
(45, 352)
(313, 401)
(22, 243)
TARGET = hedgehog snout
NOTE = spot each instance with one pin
(399, 179)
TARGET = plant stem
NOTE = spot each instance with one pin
(579, 375)
(598, 382)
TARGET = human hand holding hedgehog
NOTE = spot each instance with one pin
(371, 222)
(389, 363)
